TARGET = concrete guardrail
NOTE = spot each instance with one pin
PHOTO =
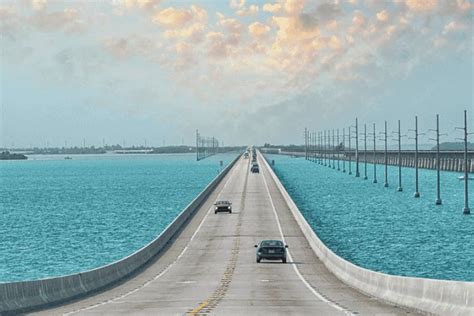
(439, 297)
(24, 296)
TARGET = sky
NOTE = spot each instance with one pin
(243, 71)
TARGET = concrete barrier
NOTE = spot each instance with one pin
(24, 296)
(432, 296)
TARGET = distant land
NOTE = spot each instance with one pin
(6, 155)
(111, 149)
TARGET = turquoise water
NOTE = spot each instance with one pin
(381, 229)
(65, 216)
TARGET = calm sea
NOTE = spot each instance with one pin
(381, 229)
(63, 216)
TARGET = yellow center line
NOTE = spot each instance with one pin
(201, 306)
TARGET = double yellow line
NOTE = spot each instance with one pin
(196, 310)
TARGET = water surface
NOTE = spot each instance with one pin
(65, 216)
(381, 229)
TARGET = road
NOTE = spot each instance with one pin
(211, 267)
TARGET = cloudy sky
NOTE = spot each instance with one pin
(245, 71)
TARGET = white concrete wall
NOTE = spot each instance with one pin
(27, 295)
(428, 295)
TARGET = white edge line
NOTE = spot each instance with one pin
(313, 290)
(166, 269)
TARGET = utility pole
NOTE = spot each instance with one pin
(197, 145)
(374, 161)
(466, 210)
(338, 152)
(333, 152)
(438, 181)
(417, 191)
(365, 151)
(306, 143)
(329, 148)
(386, 157)
(350, 154)
(319, 147)
(324, 147)
(357, 149)
(399, 139)
(344, 147)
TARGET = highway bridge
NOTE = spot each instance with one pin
(205, 263)
(211, 268)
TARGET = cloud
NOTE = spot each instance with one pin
(68, 20)
(246, 11)
(454, 26)
(189, 24)
(258, 29)
(126, 47)
(421, 5)
(39, 4)
(383, 16)
(293, 7)
(237, 4)
(173, 18)
(141, 3)
(297, 45)
(194, 32)
(11, 22)
(217, 46)
(272, 8)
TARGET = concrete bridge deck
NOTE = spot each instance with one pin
(211, 268)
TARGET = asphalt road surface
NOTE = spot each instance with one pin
(211, 267)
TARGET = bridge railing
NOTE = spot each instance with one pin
(16, 297)
(431, 296)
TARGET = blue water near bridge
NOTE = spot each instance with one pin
(65, 216)
(381, 229)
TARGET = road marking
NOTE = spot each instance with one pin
(168, 267)
(186, 282)
(211, 302)
(313, 290)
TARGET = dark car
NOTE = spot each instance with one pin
(223, 206)
(271, 250)
(255, 168)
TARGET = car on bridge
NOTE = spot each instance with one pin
(255, 168)
(271, 250)
(222, 206)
